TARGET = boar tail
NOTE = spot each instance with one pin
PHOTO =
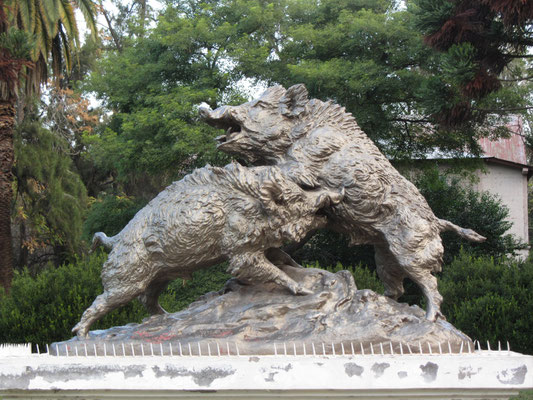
(101, 239)
(468, 234)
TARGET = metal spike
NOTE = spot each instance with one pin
(199, 349)
(391, 349)
(284, 348)
(123, 350)
(190, 349)
(170, 349)
(105, 350)
(47, 349)
(372, 348)
(181, 351)
(305, 352)
(66, 349)
(381, 348)
(76, 350)
(449, 347)
(362, 349)
(499, 346)
(508, 347)
(114, 351)
(429, 347)
(440, 348)
(275, 349)
(314, 350)
(401, 349)
(38, 352)
(218, 349)
(227, 348)
(294, 347)
(409, 348)
(420, 347)
(57, 350)
(142, 349)
(461, 348)
(353, 351)
(469, 348)
(478, 345)
(237, 348)
(151, 349)
(94, 345)
(342, 348)
(85, 345)
(323, 349)
(488, 345)
(208, 349)
(161, 348)
(333, 348)
(132, 350)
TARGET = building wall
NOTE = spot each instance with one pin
(510, 185)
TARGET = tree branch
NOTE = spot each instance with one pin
(502, 110)
(524, 78)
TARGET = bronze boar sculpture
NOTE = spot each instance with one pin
(319, 145)
(234, 213)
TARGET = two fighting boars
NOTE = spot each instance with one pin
(318, 145)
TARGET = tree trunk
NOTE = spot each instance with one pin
(7, 122)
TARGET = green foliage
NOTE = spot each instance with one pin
(17, 42)
(49, 191)
(44, 308)
(109, 214)
(462, 205)
(524, 395)
(490, 300)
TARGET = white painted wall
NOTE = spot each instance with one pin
(510, 185)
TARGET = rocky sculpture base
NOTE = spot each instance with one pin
(255, 319)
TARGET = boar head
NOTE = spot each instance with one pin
(260, 130)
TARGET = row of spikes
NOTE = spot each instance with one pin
(232, 349)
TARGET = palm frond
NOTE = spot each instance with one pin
(88, 9)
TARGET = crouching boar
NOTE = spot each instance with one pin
(214, 214)
(319, 145)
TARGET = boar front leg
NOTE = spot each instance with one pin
(279, 257)
(254, 268)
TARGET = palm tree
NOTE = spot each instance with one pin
(35, 36)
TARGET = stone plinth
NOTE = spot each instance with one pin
(476, 375)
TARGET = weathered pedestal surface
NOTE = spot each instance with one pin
(476, 375)
(255, 318)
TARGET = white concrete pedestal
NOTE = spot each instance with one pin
(478, 375)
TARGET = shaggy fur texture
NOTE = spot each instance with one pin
(238, 214)
(318, 145)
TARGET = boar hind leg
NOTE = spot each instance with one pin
(254, 268)
(104, 303)
(428, 283)
(390, 272)
(150, 298)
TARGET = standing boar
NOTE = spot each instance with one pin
(318, 145)
(214, 214)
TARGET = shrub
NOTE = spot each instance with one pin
(43, 309)
(468, 208)
(110, 214)
(490, 300)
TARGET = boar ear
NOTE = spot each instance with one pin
(292, 104)
(270, 194)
